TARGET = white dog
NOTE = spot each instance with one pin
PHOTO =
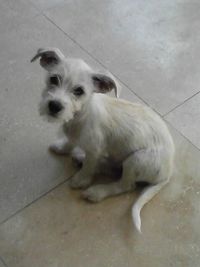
(132, 135)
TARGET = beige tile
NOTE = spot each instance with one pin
(186, 119)
(62, 230)
(152, 47)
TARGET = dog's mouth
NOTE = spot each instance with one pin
(53, 115)
(49, 116)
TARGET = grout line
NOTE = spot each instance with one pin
(122, 82)
(100, 63)
(93, 57)
(35, 6)
(1, 259)
(185, 137)
(182, 103)
(38, 198)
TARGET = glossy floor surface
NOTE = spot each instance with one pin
(152, 47)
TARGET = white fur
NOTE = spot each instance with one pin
(132, 135)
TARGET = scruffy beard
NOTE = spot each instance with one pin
(71, 110)
(63, 116)
(44, 113)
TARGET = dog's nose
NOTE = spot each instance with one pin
(55, 107)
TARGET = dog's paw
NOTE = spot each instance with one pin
(93, 194)
(57, 150)
(78, 182)
(78, 156)
(59, 147)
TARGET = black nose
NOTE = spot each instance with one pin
(54, 107)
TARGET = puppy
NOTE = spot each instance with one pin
(99, 126)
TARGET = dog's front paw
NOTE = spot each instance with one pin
(57, 150)
(93, 194)
(78, 156)
(60, 147)
(79, 181)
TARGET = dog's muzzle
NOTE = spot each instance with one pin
(54, 107)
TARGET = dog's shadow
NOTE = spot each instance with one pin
(105, 175)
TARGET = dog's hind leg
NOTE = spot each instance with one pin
(143, 165)
(78, 156)
(148, 193)
(155, 167)
(97, 193)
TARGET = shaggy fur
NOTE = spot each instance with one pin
(98, 126)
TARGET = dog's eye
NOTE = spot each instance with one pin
(55, 80)
(78, 91)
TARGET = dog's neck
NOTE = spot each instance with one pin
(89, 115)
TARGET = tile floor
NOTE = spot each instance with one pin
(152, 47)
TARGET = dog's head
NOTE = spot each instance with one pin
(70, 84)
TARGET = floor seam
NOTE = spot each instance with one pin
(38, 9)
(104, 66)
(1, 259)
(97, 60)
(94, 58)
(182, 103)
(182, 134)
(38, 198)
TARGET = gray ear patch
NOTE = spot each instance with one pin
(104, 83)
(49, 57)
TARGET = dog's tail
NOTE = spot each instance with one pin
(145, 197)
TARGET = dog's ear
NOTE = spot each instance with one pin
(104, 84)
(49, 57)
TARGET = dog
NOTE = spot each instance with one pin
(97, 126)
